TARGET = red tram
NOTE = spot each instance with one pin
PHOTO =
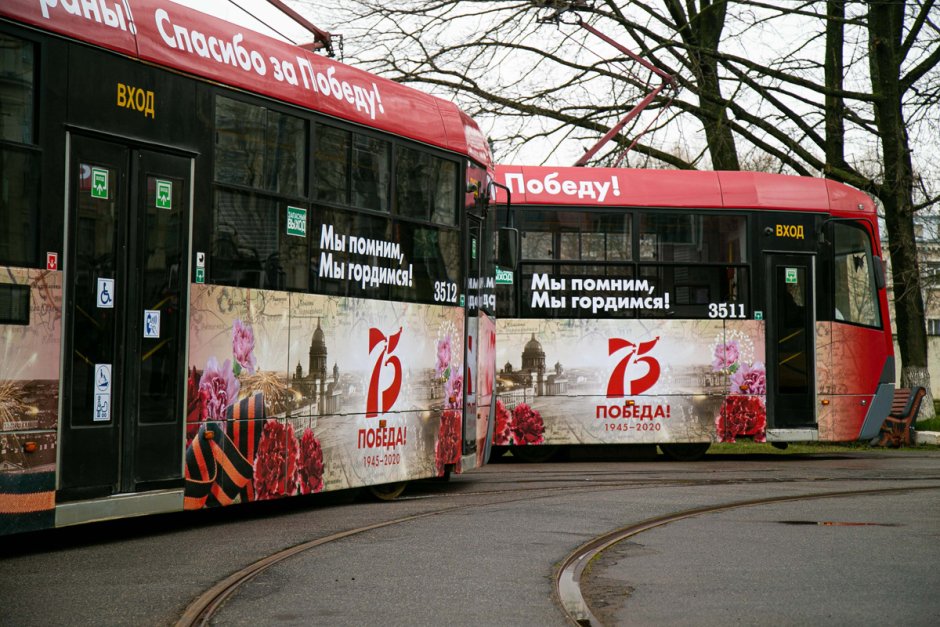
(683, 308)
(230, 269)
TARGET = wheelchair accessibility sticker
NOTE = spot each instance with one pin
(105, 298)
(102, 410)
(152, 323)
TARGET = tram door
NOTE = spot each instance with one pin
(474, 293)
(126, 278)
(791, 341)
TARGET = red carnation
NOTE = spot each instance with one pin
(527, 425)
(742, 415)
(501, 430)
(311, 463)
(275, 468)
(447, 448)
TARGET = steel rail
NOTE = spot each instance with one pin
(568, 578)
(201, 609)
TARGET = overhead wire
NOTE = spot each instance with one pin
(261, 21)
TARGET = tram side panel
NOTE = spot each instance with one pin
(593, 381)
(30, 346)
(849, 369)
(302, 393)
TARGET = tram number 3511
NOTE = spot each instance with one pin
(725, 310)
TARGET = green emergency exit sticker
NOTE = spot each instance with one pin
(296, 221)
(99, 183)
(164, 194)
(200, 275)
(758, 315)
(790, 275)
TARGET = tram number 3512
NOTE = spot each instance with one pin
(445, 292)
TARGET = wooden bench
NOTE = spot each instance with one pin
(898, 427)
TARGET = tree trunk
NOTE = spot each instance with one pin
(885, 28)
(834, 69)
(701, 31)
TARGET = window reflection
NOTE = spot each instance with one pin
(856, 297)
(695, 237)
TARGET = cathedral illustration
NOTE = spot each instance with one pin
(315, 385)
(533, 373)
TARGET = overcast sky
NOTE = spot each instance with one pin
(261, 16)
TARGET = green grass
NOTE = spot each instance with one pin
(929, 425)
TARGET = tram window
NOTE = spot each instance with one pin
(693, 289)
(592, 246)
(569, 245)
(412, 183)
(19, 202)
(285, 147)
(363, 225)
(239, 147)
(581, 281)
(576, 235)
(331, 158)
(692, 238)
(17, 71)
(434, 255)
(251, 246)
(14, 304)
(370, 172)
(444, 193)
(259, 148)
(583, 269)
(856, 296)
(536, 245)
(618, 245)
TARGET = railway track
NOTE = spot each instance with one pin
(543, 484)
(569, 576)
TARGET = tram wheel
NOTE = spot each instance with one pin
(388, 491)
(685, 452)
(534, 454)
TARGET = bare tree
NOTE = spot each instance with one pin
(811, 87)
(893, 35)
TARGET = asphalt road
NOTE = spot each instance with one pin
(487, 553)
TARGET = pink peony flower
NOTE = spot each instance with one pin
(218, 388)
(749, 379)
(726, 355)
(243, 346)
(527, 426)
(447, 448)
(501, 429)
(443, 356)
(742, 416)
(275, 466)
(311, 463)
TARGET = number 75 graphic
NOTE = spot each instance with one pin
(635, 353)
(389, 394)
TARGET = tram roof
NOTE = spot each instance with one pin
(627, 187)
(183, 39)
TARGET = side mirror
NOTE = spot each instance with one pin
(507, 252)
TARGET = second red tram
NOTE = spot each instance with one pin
(684, 308)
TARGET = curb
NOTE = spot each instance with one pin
(928, 437)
